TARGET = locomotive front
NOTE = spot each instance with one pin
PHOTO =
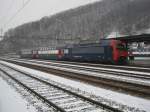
(120, 52)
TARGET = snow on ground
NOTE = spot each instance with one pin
(11, 101)
(125, 99)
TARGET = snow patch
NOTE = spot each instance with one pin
(11, 101)
(129, 100)
(115, 34)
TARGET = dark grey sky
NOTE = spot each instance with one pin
(34, 10)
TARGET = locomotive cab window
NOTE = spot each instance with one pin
(121, 46)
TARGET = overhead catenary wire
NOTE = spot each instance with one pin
(18, 11)
(3, 16)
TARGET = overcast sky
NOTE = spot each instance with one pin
(34, 10)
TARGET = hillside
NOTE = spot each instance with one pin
(107, 18)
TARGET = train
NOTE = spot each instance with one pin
(107, 51)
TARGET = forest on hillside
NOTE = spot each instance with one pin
(84, 24)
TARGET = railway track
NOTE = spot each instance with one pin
(92, 65)
(141, 73)
(132, 83)
(125, 67)
(56, 97)
(123, 72)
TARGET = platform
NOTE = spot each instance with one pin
(141, 61)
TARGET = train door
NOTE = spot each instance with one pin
(109, 54)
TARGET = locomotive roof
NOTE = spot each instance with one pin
(103, 42)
